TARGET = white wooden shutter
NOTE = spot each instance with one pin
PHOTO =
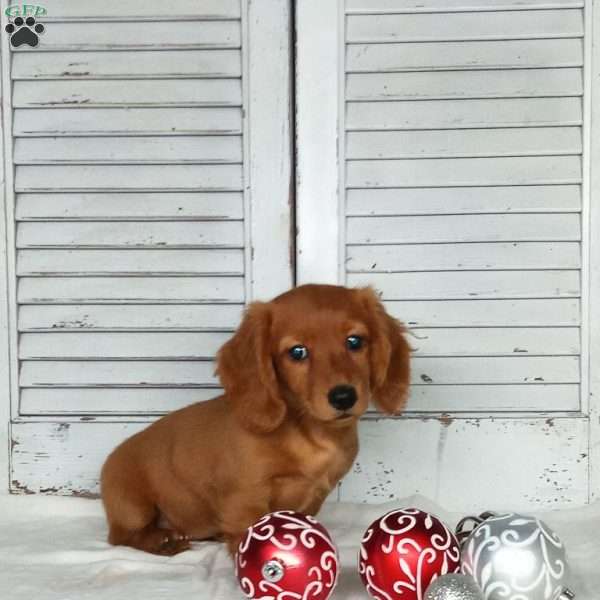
(450, 177)
(146, 165)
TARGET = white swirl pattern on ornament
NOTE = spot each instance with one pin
(247, 587)
(369, 572)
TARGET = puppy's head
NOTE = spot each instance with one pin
(318, 351)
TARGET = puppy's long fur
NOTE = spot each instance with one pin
(275, 439)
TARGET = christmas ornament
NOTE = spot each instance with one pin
(454, 586)
(403, 551)
(287, 556)
(516, 557)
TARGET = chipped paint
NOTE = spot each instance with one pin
(446, 420)
(440, 453)
(20, 488)
(85, 494)
(71, 74)
(446, 457)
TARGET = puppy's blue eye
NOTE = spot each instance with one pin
(354, 342)
(298, 352)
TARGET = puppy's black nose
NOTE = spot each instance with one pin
(342, 397)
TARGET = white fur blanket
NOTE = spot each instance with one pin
(55, 549)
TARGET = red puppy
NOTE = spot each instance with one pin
(298, 374)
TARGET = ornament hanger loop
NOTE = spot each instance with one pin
(467, 525)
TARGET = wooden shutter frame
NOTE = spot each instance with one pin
(592, 199)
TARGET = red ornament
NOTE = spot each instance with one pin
(287, 556)
(403, 552)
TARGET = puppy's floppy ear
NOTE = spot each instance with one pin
(245, 368)
(389, 355)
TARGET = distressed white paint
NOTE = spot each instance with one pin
(111, 10)
(126, 121)
(79, 178)
(464, 228)
(585, 217)
(463, 143)
(461, 114)
(37, 446)
(593, 16)
(5, 318)
(464, 200)
(134, 290)
(103, 317)
(121, 373)
(118, 150)
(78, 91)
(503, 54)
(270, 186)
(117, 345)
(472, 284)
(559, 312)
(495, 370)
(170, 206)
(527, 83)
(464, 256)
(496, 25)
(433, 6)
(176, 35)
(217, 69)
(493, 398)
(318, 193)
(121, 345)
(8, 333)
(220, 234)
(474, 341)
(108, 404)
(551, 476)
(468, 466)
(123, 262)
(520, 170)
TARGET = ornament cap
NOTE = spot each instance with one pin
(566, 594)
(273, 571)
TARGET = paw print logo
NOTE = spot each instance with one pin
(24, 32)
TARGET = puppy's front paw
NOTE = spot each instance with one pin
(172, 543)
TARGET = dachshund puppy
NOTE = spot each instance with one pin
(298, 374)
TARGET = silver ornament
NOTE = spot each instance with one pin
(516, 557)
(454, 586)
